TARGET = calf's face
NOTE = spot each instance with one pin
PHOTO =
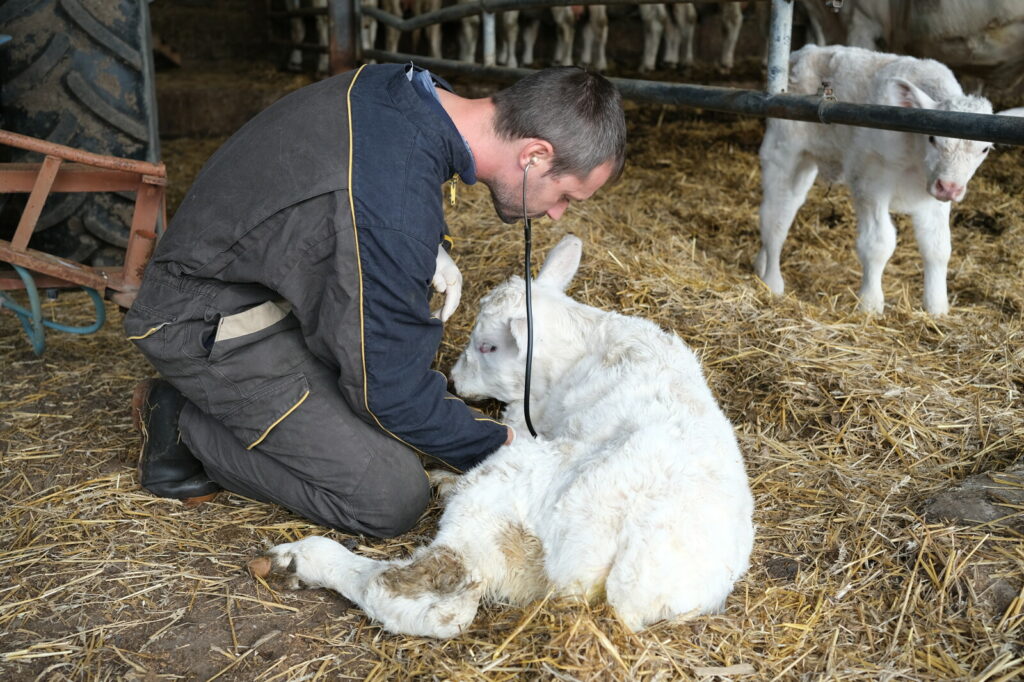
(949, 162)
(493, 364)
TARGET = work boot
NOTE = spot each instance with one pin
(166, 467)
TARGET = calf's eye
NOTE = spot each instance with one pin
(487, 348)
(931, 138)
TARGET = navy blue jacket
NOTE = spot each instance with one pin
(332, 199)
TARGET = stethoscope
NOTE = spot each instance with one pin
(527, 226)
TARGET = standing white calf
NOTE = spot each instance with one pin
(635, 488)
(886, 171)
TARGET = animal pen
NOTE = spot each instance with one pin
(861, 435)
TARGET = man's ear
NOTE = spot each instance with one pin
(536, 154)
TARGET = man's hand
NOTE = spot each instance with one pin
(511, 436)
(448, 281)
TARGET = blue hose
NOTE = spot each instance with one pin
(32, 320)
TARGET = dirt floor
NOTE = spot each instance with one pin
(852, 426)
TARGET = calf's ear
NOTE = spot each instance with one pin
(1017, 111)
(517, 327)
(903, 93)
(562, 262)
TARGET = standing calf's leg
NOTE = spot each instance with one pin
(931, 230)
(323, 32)
(392, 35)
(507, 51)
(786, 177)
(566, 24)
(434, 30)
(732, 22)
(686, 19)
(433, 594)
(469, 29)
(595, 37)
(298, 33)
(529, 40)
(368, 34)
(654, 18)
(876, 241)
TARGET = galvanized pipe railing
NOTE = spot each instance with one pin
(779, 37)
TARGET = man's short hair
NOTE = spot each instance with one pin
(578, 112)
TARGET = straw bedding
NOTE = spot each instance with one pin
(852, 428)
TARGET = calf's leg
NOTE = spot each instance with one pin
(732, 22)
(931, 230)
(786, 177)
(654, 18)
(876, 241)
(686, 20)
(433, 594)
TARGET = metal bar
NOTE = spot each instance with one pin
(34, 206)
(71, 154)
(298, 12)
(9, 281)
(991, 128)
(72, 177)
(489, 39)
(780, 34)
(142, 237)
(466, 9)
(40, 261)
(344, 34)
(311, 47)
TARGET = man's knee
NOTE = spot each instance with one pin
(392, 498)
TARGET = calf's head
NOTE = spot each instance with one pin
(949, 162)
(493, 364)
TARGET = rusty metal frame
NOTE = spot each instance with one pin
(65, 169)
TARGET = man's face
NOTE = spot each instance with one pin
(545, 195)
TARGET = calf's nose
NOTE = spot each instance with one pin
(947, 190)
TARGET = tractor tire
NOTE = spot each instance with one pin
(79, 73)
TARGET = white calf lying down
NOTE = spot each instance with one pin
(634, 490)
(886, 170)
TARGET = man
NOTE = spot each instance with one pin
(287, 304)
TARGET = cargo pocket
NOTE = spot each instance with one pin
(255, 380)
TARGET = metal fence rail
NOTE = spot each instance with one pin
(773, 102)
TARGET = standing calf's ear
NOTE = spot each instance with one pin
(903, 93)
(1018, 111)
(561, 264)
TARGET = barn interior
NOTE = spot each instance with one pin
(883, 451)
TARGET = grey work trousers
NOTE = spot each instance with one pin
(265, 416)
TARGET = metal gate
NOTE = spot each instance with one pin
(772, 102)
